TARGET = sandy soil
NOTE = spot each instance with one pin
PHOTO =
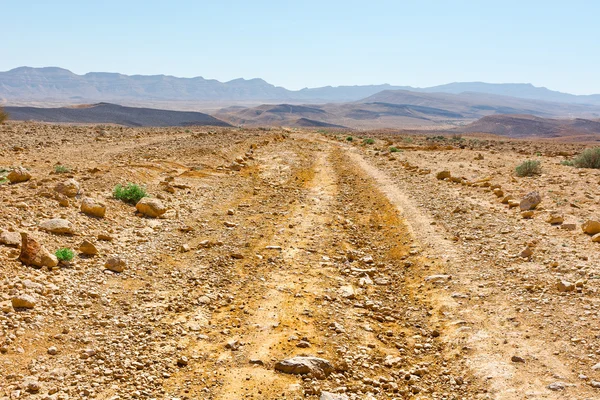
(280, 243)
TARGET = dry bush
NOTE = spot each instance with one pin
(590, 158)
(529, 168)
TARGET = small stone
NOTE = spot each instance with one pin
(530, 201)
(517, 359)
(52, 350)
(69, 188)
(8, 238)
(555, 219)
(23, 301)
(88, 248)
(347, 292)
(595, 384)
(596, 238)
(565, 286)
(115, 264)
(591, 227)
(527, 252)
(333, 396)
(182, 361)
(151, 207)
(303, 344)
(184, 248)
(527, 214)
(232, 345)
(498, 192)
(58, 226)
(568, 227)
(318, 367)
(556, 386)
(438, 278)
(443, 175)
(18, 175)
(256, 361)
(93, 207)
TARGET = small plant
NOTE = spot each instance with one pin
(529, 168)
(538, 154)
(369, 141)
(64, 254)
(3, 115)
(407, 140)
(349, 138)
(62, 169)
(590, 158)
(394, 150)
(568, 163)
(131, 193)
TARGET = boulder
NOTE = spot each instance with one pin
(93, 207)
(69, 188)
(34, 254)
(530, 201)
(591, 227)
(596, 238)
(151, 207)
(18, 175)
(23, 301)
(317, 367)
(115, 264)
(88, 248)
(8, 238)
(58, 226)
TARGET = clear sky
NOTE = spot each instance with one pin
(307, 43)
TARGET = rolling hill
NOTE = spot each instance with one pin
(529, 126)
(104, 113)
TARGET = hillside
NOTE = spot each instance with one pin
(527, 126)
(104, 113)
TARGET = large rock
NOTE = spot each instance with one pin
(18, 175)
(115, 264)
(93, 207)
(151, 207)
(317, 367)
(23, 301)
(57, 225)
(530, 201)
(69, 188)
(591, 227)
(9, 238)
(34, 254)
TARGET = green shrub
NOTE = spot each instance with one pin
(61, 169)
(394, 150)
(568, 163)
(64, 254)
(529, 168)
(3, 115)
(590, 158)
(407, 140)
(131, 193)
(349, 138)
(369, 141)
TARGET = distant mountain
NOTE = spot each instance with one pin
(528, 126)
(105, 113)
(401, 108)
(27, 85)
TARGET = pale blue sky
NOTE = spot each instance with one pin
(307, 43)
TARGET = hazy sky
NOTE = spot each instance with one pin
(310, 43)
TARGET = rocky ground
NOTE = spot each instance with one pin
(293, 264)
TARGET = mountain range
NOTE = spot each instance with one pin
(55, 85)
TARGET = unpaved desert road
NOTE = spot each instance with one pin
(304, 247)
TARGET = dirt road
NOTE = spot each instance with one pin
(276, 244)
